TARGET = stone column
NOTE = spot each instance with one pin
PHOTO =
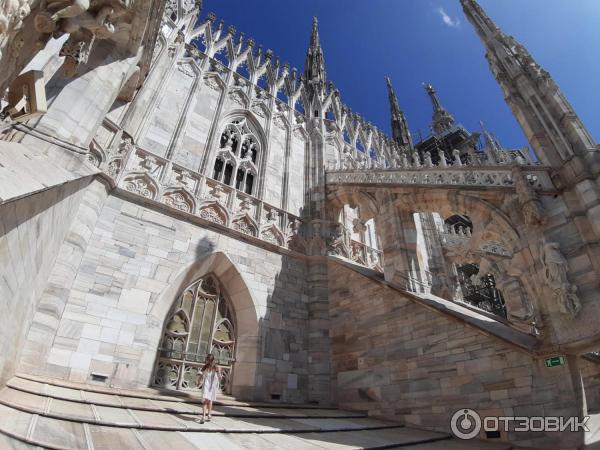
(433, 265)
(399, 245)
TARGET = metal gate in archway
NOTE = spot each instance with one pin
(200, 322)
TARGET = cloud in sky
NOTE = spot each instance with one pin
(454, 23)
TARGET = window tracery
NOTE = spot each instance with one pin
(237, 160)
(200, 323)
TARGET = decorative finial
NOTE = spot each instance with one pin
(442, 119)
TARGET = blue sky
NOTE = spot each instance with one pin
(414, 41)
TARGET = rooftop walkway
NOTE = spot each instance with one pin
(51, 414)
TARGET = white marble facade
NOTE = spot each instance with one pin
(182, 150)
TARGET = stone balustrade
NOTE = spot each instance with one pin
(452, 236)
(142, 173)
(497, 176)
(366, 256)
(405, 160)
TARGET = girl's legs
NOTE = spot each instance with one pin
(210, 403)
(204, 405)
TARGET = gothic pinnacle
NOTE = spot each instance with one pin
(442, 120)
(484, 26)
(314, 67)
(400, 131)
(314, 37)
(557, 133)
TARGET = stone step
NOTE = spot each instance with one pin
(21, 394)
(179, 421)
(73, 391)
(40, 413)
(20, 429)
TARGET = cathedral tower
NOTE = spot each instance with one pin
(400, 131)
(548, 120)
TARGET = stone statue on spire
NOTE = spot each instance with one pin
(442, 120)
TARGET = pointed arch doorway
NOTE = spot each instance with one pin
(200, 322)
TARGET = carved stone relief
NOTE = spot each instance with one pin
(555, 274)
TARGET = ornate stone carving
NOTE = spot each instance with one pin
(149, 163)
(494, 248)
(184, 178)
(244, 225)
(272, 216)
(141, 186)
(338, 242)
(211, 214)
(359, 225)
(532, 209)
(450, 176)
(245, 205)
(84, 21)
(94, 158)
(217, 192)
(178, 200)
(114, 167)
(76, 51)
(555, 274)
(126, 145)
(269, 235)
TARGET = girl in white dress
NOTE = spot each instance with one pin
(212, 375)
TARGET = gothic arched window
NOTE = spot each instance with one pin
(200, 322)
(237, 160)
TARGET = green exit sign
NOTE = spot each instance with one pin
(555, 361)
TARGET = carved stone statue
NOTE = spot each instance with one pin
(456, 155)
(405, 162)
(555, 274)
(427, 158)
(228, 138)
(533, 212)
(359, 225)
(338, 242)
(54, 10)
(416, 159)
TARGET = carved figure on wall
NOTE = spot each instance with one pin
(338, 242)
(555, 274)
(52, 11)
(533, 212)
